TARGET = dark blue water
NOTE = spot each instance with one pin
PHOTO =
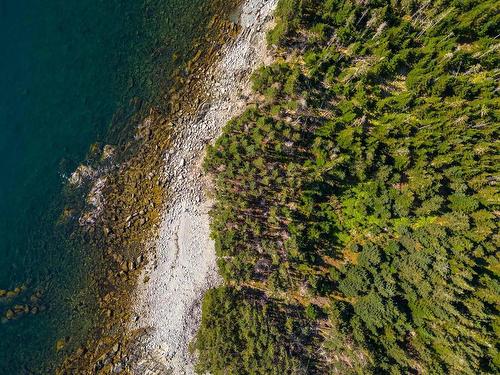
(66, 67)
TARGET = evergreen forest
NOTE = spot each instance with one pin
(357, 200)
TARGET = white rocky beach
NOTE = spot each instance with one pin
(183, 264)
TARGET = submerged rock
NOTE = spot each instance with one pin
(9, 314)
(61, 343)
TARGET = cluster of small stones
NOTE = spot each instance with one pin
(122, 214)
(18, 309)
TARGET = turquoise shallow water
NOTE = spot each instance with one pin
(66, 67)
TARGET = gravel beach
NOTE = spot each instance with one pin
(183, 265)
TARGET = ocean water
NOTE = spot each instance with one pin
(66, 67)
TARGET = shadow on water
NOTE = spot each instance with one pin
(66, 69)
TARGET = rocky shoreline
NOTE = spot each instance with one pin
(145, 216)
(183, 262)
(124, 190)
